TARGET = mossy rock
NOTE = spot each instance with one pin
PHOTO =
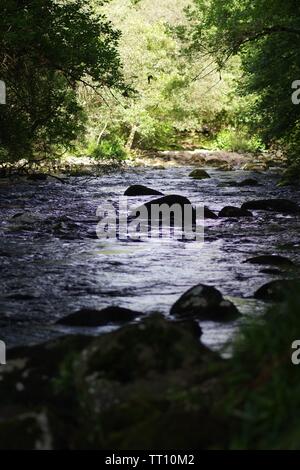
(120, 390)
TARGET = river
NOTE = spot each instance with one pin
(55, 264)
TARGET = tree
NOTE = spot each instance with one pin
(171, 95)
(48, 48)
(266, 35)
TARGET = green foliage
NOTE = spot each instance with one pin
(111, 149)
(238, 141)
(264, 385)
(171, 95)
(48, 47)
(266, 35)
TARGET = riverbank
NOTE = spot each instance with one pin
(201, 158)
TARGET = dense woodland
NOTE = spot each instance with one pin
(102, 78)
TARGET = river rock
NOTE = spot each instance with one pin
(37, 177)
(204, 303)
(25, 218)
(208, 214)
(276, 290)
(140, 190)
(170, 201)
(199, 174)
(277, 205)
(270, 260)
(231, 211)
(247, 182)
(89, 317)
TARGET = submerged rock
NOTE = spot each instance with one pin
(247, 182)
(276, 290)
(199, 174)
(277, 205)
(140, 190)
(89, 317)
(270, 260)
(231, 211)
(205, 303)
(241, 184)
(26, 218)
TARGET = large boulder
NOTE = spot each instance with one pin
(149, 385)
(277, 205)
(270, 260)
(145, 212)
(204, 303)
(231, 211)
(170, 200)
(199, 174)
(277, 291)
(140, 190)
(89, 317)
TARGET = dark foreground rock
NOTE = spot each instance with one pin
(270, 260)
(277, 205)
(145, 386)
(231, 211)
(204, 303)
(90, 317)
(277, 291)
(140, 190)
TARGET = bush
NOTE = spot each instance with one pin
(110, 149)
(264, 385)
(238, 141)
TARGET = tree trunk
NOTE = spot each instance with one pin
(131, 137)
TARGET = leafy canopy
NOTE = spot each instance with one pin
(48, 47)
(266, 35)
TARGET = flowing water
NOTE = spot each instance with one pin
(54, 264)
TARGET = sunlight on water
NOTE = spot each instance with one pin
(56, 265)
